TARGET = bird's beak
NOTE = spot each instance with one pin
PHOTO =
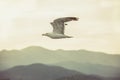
(77, 19)
(43, 34)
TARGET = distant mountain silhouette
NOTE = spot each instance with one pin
(46, 72)
(36, 72)
(82, 60)
(95, 69)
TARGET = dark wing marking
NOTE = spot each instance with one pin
(58, 24)
(67, 19)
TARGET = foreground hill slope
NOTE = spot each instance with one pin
(37, 72)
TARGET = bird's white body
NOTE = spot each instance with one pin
(57, 36)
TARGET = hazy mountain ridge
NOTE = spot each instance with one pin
(36, 72)
(46, 72)
(80, 59)
(88, 68)
(54, 56)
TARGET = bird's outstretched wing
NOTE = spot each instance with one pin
(58, 24)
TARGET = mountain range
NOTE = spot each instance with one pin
(36, 72)
(88, 62)
(92, 69)
(45, 72)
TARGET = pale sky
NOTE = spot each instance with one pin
(23, 21)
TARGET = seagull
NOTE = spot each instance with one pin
(58, 28)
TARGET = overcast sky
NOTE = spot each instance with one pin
(23, 21)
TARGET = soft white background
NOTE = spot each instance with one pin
(23, 21)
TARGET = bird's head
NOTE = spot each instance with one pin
(46, 34)
(75, 18)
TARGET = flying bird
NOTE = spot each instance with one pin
(59, 27)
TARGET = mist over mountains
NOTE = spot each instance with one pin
(92, 69)
(42, 72)
(36, 72)
(46, 72)
(87, 62)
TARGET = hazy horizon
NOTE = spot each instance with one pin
(98, 29)
(35, 46)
